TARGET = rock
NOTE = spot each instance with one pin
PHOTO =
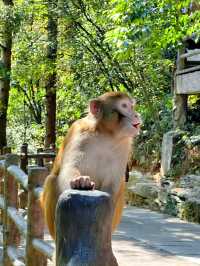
(190, 210)
(194, 194)
(189, 181)
(179, 198)
(146, 190)
(136, 200)
(142, 190)
(166, 183)
(195, 140)
(136, 176)
(182, 193)
(162, 196)
(166, 153)
(168, 143)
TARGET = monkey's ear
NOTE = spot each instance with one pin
(95, 107)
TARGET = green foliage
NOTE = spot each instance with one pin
(73, 104)
(21, 125)
(102, 45)
(145, 35)
(190, 211)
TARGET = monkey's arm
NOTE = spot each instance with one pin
(51, 193)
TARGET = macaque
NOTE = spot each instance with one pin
(94, 154)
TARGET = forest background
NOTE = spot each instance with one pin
(57, 54)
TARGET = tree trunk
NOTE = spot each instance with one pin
(195, 5)
(6, 47)
(51, 82)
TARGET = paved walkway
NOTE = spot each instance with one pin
(146, 238)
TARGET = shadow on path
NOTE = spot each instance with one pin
(154, 239)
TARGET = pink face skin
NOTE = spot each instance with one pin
(132, 121)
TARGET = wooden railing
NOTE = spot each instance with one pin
(17, 229)
(39, 157)
(187, 73)
(186, 82)
(183, 62)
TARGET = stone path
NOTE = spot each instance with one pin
(150, 238)
(146, 238)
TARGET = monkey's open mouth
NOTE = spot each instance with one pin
(136, 125)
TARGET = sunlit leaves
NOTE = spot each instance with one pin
(102, 45)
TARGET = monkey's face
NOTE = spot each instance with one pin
(129, 120)
(116, 115)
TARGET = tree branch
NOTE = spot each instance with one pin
(88, 17)
(2, 46)
(103, 67)
(120, 75)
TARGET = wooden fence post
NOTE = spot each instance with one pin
(24, 157)
(11, 235)
(23, 195)
(179, 100)
(2, 172)
(40, 161)
(83, 229)
(6, 150)
(35, 221)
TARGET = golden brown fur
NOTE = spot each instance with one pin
(96, 146)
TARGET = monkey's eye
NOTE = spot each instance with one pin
(124, 105)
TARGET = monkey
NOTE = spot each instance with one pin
(94, 154)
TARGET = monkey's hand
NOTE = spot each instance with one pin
(82, 183)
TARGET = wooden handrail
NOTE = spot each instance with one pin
(187, 70)
(189, 54)
(2, 164)
(43, 247)
(19, 175)
(32, 183)
(18, 220)
(45, 155)
(15, 216)
(13, 256)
